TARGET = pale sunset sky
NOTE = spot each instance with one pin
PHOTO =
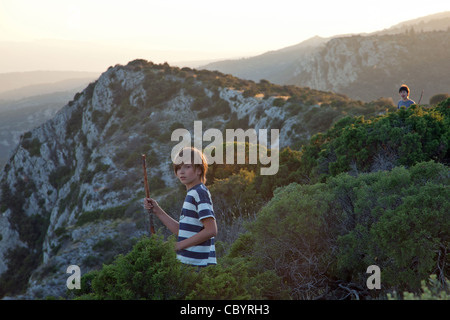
(91, 35)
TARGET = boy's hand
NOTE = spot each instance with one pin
(150, 204)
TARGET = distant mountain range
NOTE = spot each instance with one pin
(54, 80)
(364, 66)
(28, 99)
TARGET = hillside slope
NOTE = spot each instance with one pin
(71, 191)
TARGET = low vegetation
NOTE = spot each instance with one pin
(313, 229)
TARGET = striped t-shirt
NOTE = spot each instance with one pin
(406, 103)
(197, 206)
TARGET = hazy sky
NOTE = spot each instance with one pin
(183, 30)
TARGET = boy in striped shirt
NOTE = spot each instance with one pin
(197, 226)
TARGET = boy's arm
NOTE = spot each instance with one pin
(209, 231)
(167, 220)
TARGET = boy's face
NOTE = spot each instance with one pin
(404, 94)
(189, 175)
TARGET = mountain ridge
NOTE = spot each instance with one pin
(16, 80)
(316, 67)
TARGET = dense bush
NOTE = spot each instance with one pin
(235, 196)
(404, 138)
(289, 162)
(152, 271)
(238, 278)
(149, 271)
(316, 237)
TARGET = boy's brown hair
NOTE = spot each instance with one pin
(404, 87)
(190, 155)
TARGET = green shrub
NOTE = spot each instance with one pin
(432, 289)
(279, 102)
(236, 279)
(33, 146)
(159, 89)
(404, 138)
(101, 214)
(75, 121)
(289, 162)
(289, 239)
(150, 271)
(201, 103)
(236, 196)
(21, 263)
(60, 176)
(314, 235)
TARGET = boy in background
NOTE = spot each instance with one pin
(404, 94)
(197, 226)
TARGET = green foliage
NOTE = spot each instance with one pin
(74, 123)
(201, 103)
(289, 162)
(279, 102)
(433, 289)
(236, 196)
(152, 271)
(22, 260)
(60, 176)
(101, 214)
(33, 146)
(222, 171)
(399, 221)
(287, 238)
(236, 279)
(158, 91)
(220, 107)
(31, 228)
(234, 122)
(311, 235)
(21, 263)
(404, 138)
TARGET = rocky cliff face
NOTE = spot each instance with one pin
(71, 194)
(364, 67)
(17, 117)
(371, 67)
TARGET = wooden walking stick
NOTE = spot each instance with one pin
(421, 95)
(147, 194)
